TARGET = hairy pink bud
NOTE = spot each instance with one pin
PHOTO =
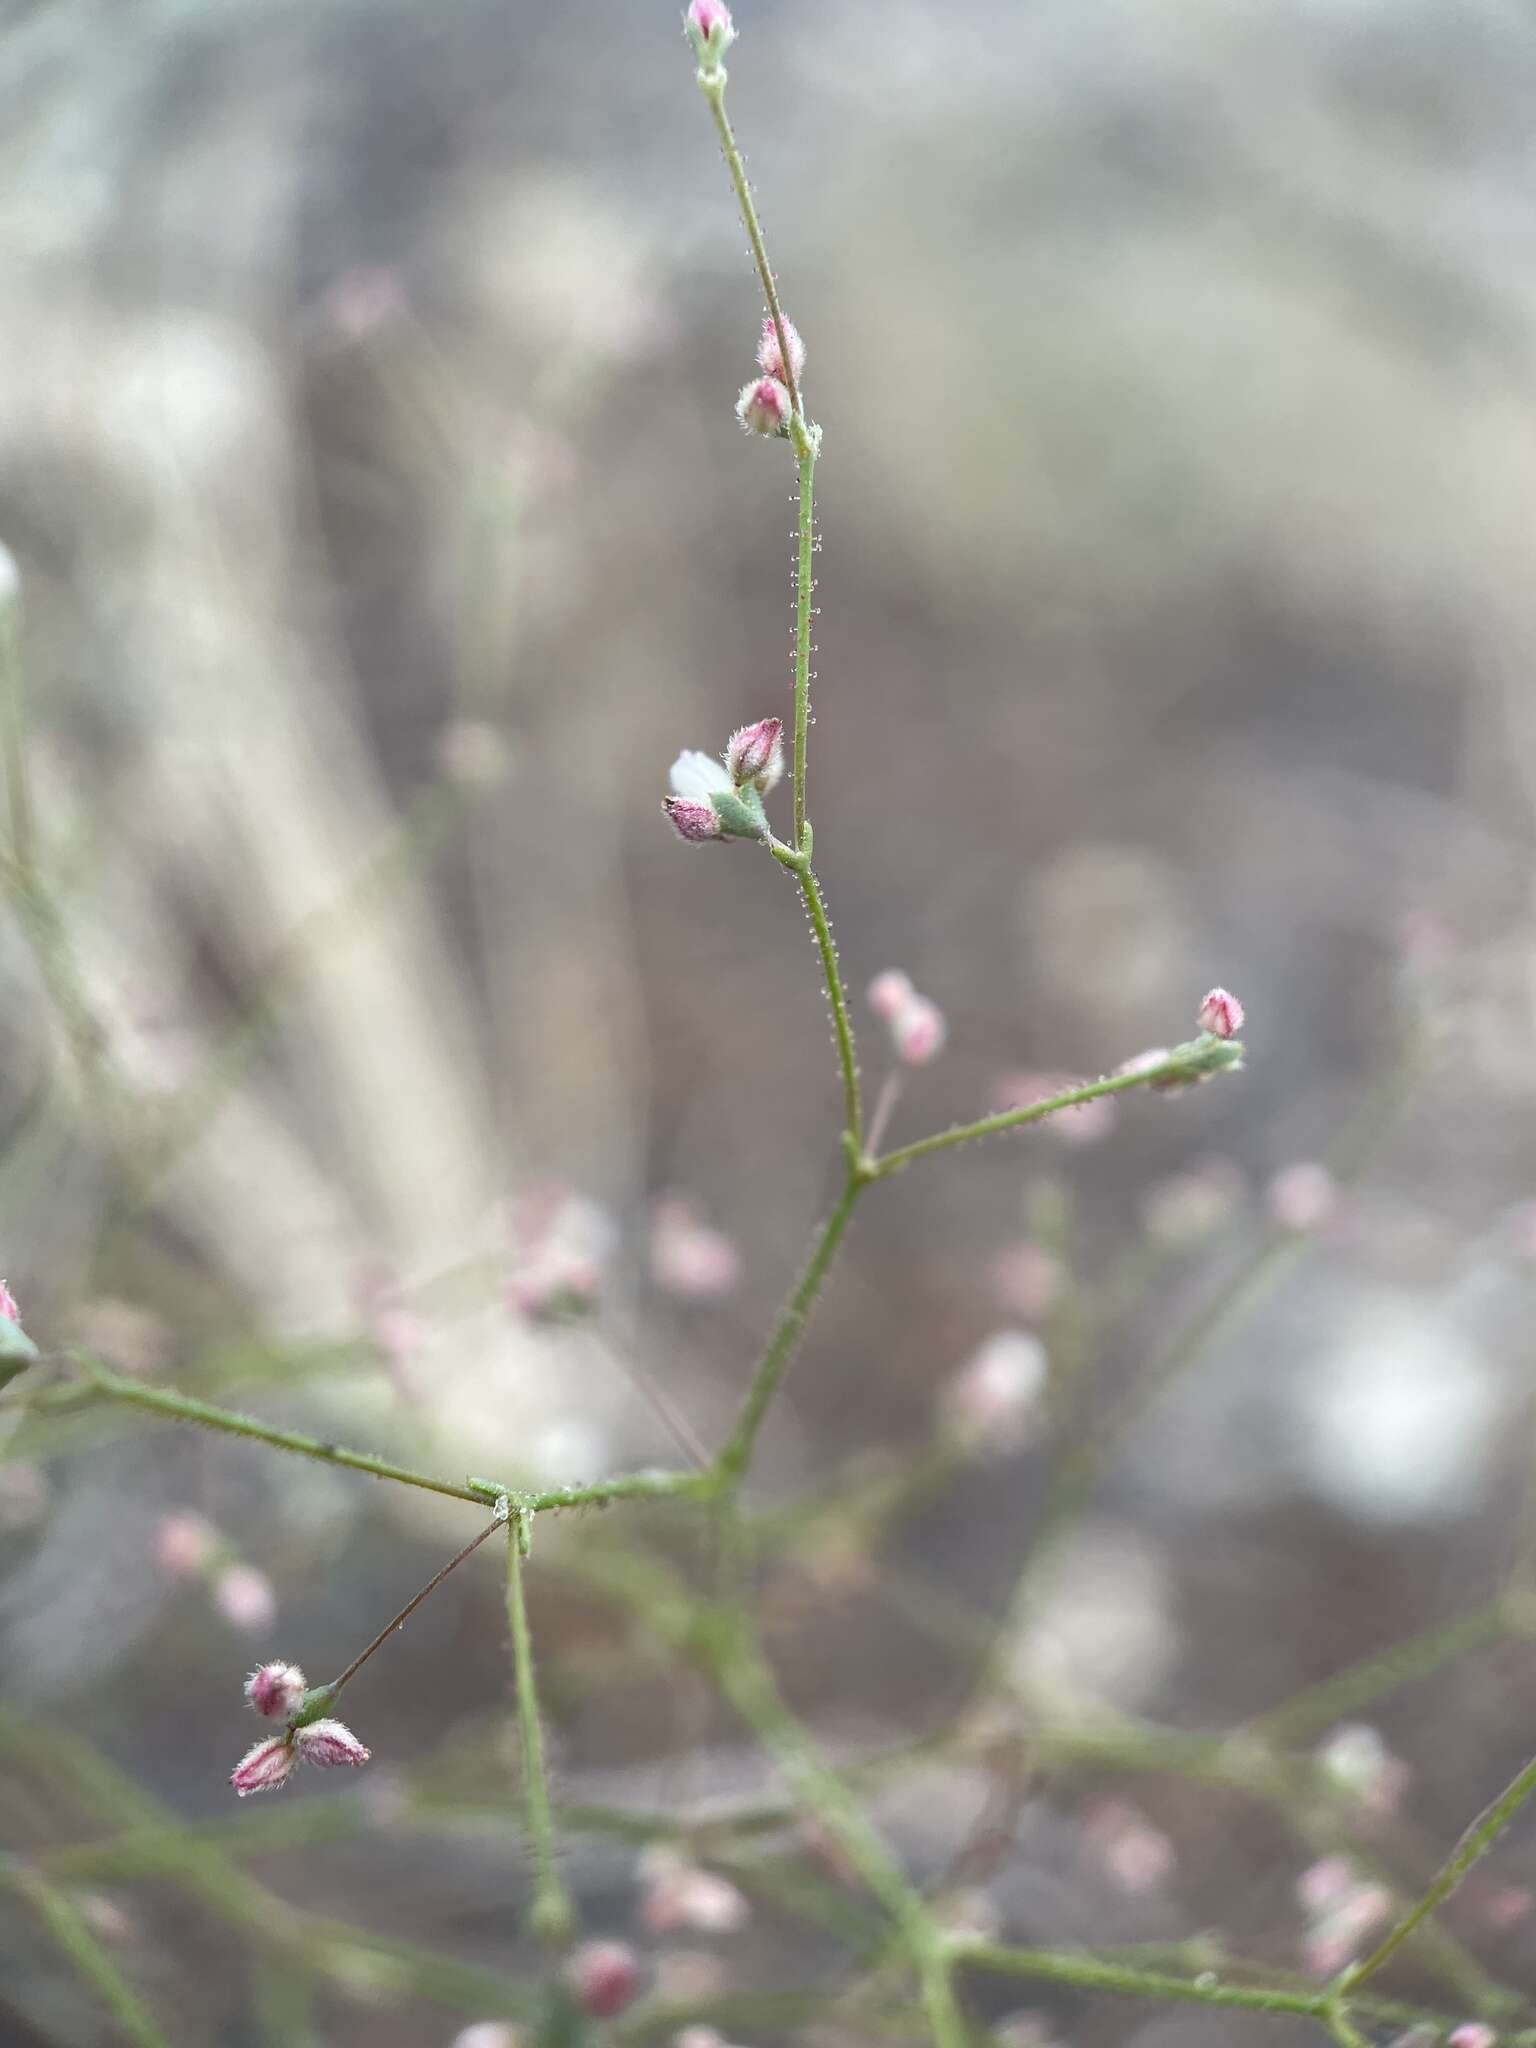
(330, 1743)
(711, 30)
(276, 1690)
(604, 1977)
(265, 1767)
(763, 407)
(1221, 1014)
(692, 819)
(8, 1308)
(755, 754)
(770, 357)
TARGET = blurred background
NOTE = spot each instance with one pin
(373, 1057)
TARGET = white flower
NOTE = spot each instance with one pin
(700, 776)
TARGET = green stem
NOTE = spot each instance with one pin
(712, 85)
(68, 1927)
(732, 1464)
(805, 584)
(18, 790)
(799, 865)
(1185, 1063)
(184, 1408)
(551, 1918)
(1473, 1846)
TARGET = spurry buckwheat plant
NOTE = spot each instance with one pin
(927, 1954)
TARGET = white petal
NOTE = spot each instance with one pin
(699, 775)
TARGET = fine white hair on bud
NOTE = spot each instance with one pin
(710, 30)
(770, 357)
(755, 754)
(1221, 1014)
(276, 1690)
(764, 408)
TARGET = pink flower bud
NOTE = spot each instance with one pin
(1303, 1196)
(918, 1032)
(693, 820)
(689, 1259)
(710, 30)
(1473, 2035)
(8, 1308)
(244, 1596)
(770, 357)
(677, 1893)
(755, 754)
(276, 1690)
(1221, 1014)
(993, 1402)
(764, 408)
(1325, 1884)
(604, 1977)
(1027, 1280)
(185, 1544)
(266, 1766)
(330, 1743)
(889, 993)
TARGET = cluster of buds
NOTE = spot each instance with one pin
(1341, 1908)
(711, 32)
(724, 799)
(280, 1692)
(916, 1024)
(765, 405)
(188, 1546)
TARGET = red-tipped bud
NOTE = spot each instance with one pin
(710, 30)
(276, 1690)
(265, 1767)
(604, 1977)
(755, 754)
(693, 820)
(770, 357)
(8, 1308)
(918, 1031)
(889, 993)
(764, 408)
(330, 1743)
(1221, 1014)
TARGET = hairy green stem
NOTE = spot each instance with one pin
(551, 1917)
(799, 865)
(69, 1929)
(805, 584)
(1473, 1846)
(732, 1464)
(1184, 1064)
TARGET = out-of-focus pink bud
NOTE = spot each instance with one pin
(764, 407)
(1507, 1905)
(918, 1031)
(711, 30)
(276, 1690)
(688, 1258)
(244, 1596)
(8, 1308)
(770, 357)
(185, 1544)
(266, 1766)
(1324, 1884)
(330, 1744)
(1473, 2035)
(889, 993)
(677, 1893)
(488, 2034)
(993, 1402)
(755, 754)
(1188, 1207)
(1221, 1014)
(699, 2037)
(692, 819)
(1303, 1196)
(1336, 1938)
(1136, 1854)
(604, 1977)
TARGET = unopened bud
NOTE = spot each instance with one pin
(8, 1308)
(889, 993)
(710, 30)
(764, 408)
(1221, 1014)
(1473, 2035)
(185, 1543)
(918, 1031)
(604, 1978)
(770, 357)
(276, 1690)
(265, 1767)
(329, 1744)
(755, 754)
(692, 819)
(1303, 1196)
(244, 1596)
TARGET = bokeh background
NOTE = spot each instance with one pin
(383, 531)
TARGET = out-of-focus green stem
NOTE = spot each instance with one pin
(551, 1918)
(63, 1920)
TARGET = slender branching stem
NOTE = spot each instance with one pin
(551, 1918)
(411, 1606)
(1473, 1846)
(805, 584)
